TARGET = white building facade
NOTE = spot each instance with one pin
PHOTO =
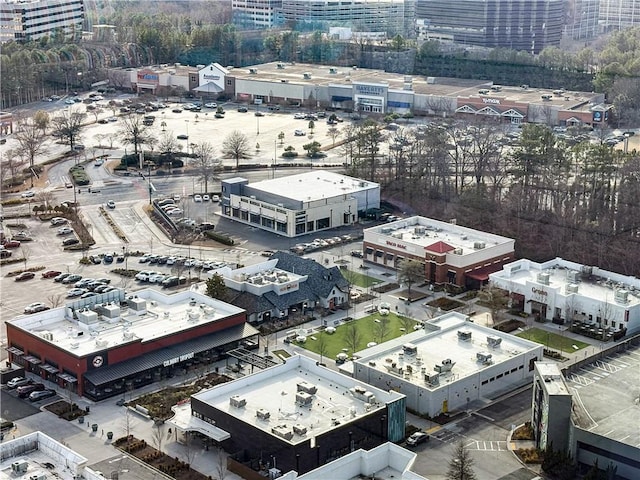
(564, 291)
(26, 20)
(298, 204)
(448, 364)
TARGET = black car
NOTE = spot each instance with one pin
(108, 258)
(25, 390)
(243, 109)
(356, 253)
(170, 282)
(61, 277)
(70, 241)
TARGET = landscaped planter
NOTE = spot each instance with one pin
(80, 419)
(110, 435)
(94, 427)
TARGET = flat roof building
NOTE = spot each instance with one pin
(448, 364)
(551, 412)
(299, 415)
(595, 302)
(451, 254)
(27, 20)
(110, 343)
(298, 204)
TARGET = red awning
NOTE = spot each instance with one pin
(482, 274)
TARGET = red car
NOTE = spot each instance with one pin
(25, 276)
(50, 274)
(11, 244)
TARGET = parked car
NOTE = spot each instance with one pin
(197, 198)
(58, 221)
(65, 231)
(22, 237)
(108, 258)
(183, 136)
(299, 133)
(11, 244)
(25, 276)
(70, 241)
(215, 198)
(206, 198)
(356, 253)
(71, 278)
(42, 394)
(170, 282)
(211, 105)
(299, 116)
(88, 294)
(25, 390)
(5, 253)
(28, 194)
(16, 382)
(61, 277)
(111, 204)
(177, 110)
(36, 307)
(259, 114)
(243, 109)
(417, 438)
(76, 292)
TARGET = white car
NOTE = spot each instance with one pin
(197, 198)
(65, 230)
(28, 194)
(175, 211)
(299, 133)
(205, 198)
(176, 198)
(215, 198)
(211, 105)
(299, 116)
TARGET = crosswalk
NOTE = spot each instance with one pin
(487, 445)
(596, 371)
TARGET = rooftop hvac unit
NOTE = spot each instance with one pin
(464, 335)
(299, 429)
(572, 288)
(307, 387)
(280, 66)
(253, 71)
(457, 251)
(38, 476)
(483, 357)
(304, 399)
(543, 278)
(333, 70)
(20, 466)
(237, 401)
(621, 296)
(446, 366)
(263, 414)
(493, 341)
(306, 75)
(47, 336)
(573, 276)
(432, 378)
(421, 230)
(479, 245)
(282, 431)
(410, 349)
(74, 345)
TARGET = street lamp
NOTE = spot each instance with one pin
(187, 122)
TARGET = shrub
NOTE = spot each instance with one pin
(219, 237)
(289, 154)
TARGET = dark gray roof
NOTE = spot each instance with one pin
(251, 303)
(321, 280)
(156, 358)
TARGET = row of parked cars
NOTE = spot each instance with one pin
(27, 388)
(320, 243)
(167, 281)
(179, 260)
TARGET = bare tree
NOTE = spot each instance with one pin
(220, 467)
(68, 125)
(189, 448)
(406, 322)
(410, 272)
(352, 337)
(134, 132)
(322, 346)
(496, 299)
(26, 253)
(206, 165)
(42, 120)
(11, 165)
(31, 141)
(236, 146)
(55, 299)
(157, 435)
(334, 133)
(381, 328)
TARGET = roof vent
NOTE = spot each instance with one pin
(280, 66)
(572, 288)
(479, 245)
(446, 366)
(253, 71)
(464, 335)
(307, 388)
(333, 70)
(621, 296)
(299, 429)
(306, 75)
(263, 414)
(237, 401)
(493, 341)
(543, 278)
(484, 358)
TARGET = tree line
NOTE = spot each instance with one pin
(557, 197)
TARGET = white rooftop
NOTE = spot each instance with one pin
(297, 400)
(38, 453)
(448, 339)
(425, 232)
(590, 282)
(553, 378)
(150, 315)
(311, 186)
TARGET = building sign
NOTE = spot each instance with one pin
(396, 245)
(369, 89)
(181, 358)
(495, 101)
(211, 77)
(538, 291)
(148, 77)
(289, 287)
(97, 361)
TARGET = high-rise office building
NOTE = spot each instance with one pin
(529, 25)
(257, 13)
(619, 14)
(581, 19)
(24, 20)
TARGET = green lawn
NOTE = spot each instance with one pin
(369, 331)
(552, 340)
(359, 279)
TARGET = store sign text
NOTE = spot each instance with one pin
(369, 90)
(181, 358)
(148, 76)
(211, 77)
(495, 101)
(537, 291)
(396, 245)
